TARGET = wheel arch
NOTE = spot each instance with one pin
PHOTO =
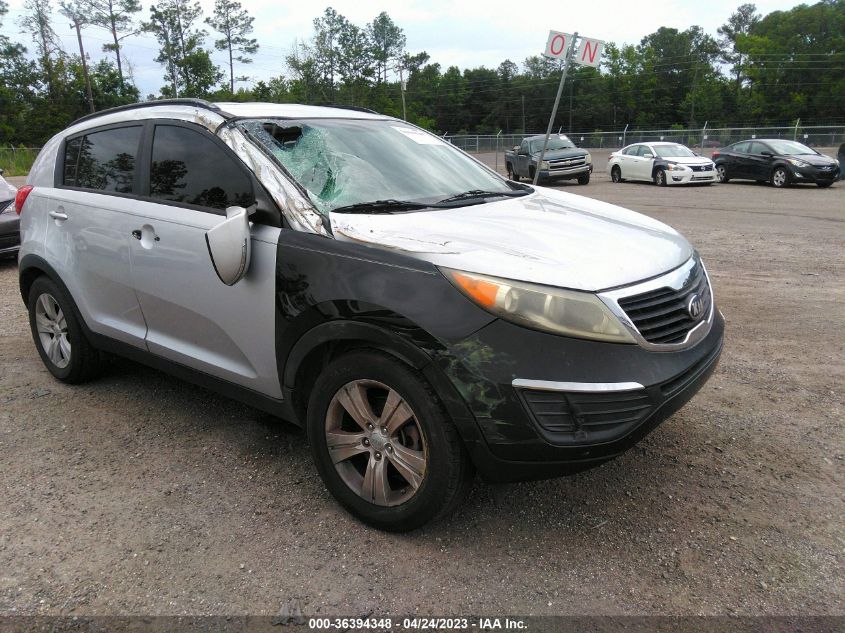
(326, 341)
(30, 268)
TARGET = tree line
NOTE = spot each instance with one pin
(755, 70)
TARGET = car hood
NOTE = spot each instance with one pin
(547, 237)
(7, 191)
(561, 153)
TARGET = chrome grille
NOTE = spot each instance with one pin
(661, 315)
(566, 163)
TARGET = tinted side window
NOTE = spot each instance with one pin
(523, 149)
(71, 158)
(757, 148)
(742, 148)
(105, 161)
(191, 169)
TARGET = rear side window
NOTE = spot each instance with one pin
(104, 161)
(190, 169)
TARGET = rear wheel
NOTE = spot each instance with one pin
(383, 444)
(58, 336)
(584, 179)
(660, 178)
(780, 177)
(722, 173)
(616, 174)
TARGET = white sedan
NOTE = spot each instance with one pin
(661, 163)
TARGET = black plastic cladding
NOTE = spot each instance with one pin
(329, 289)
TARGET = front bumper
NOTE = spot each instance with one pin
(532, 433)
(566, 173)
(687, 177)
(814, 174)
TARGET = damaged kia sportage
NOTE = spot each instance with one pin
(421, 316)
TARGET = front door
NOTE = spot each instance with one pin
(192, 317)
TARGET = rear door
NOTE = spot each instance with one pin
(740, 165)
(192, 317)
(91, 214)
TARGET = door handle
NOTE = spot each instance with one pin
(58, 215)
(137, 234)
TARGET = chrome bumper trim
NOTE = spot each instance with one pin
(551, 385)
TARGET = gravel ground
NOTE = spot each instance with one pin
(140, 494)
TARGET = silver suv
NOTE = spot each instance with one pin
(421, 316)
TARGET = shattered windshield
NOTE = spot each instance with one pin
(345, 162)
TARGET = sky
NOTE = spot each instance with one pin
(463, 33)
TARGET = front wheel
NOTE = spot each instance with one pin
(722, 173)
(584, 179)
(660, 178)
(780, 177)
(383, 444)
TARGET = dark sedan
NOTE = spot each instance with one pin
(10, 236)
(778, 161)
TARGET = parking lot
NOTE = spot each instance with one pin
(141, 494)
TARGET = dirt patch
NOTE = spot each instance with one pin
(140, 494)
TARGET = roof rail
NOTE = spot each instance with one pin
(197, 103)
(351, 107)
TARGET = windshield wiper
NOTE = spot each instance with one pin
(380, 206)
(480, 194)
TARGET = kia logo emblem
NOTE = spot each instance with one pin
(695, 307)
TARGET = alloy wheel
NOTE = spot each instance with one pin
(51, 325)
(376, 443)
(722, 173)
(779, 177)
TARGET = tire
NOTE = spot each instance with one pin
(58, 335)
(660, 177)
(824, 185)
(780, 177)
(367, 383)
(616, 174)
(722, 173)
(584, 179)
(512, 175)
(531, 172)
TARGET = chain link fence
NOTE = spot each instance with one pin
(814, 136)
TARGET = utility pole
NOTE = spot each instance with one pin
(402, 89)
(76, 23)
(567, 59)
(523, 114)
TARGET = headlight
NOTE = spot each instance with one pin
(544, 164)
(588, 158)
(798, 162)
(567, 312)
(676, 167)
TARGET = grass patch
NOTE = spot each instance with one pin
(17, 161)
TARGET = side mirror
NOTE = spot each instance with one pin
(516, 148)
(229, 246)
(648, 155)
